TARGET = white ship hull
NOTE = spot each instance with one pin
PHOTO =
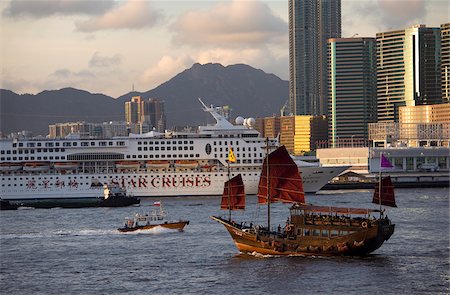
(127, 161)
(26, 187)
(314, 178)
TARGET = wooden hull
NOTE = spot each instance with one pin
(359, 243)
(178, 225)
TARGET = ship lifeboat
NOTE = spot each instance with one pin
(186, 164)
(10, 167)
(207, 167)
(157, 164)
(131, 165)
(66, 166)
(36, 166)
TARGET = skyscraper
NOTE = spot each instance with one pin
(408, 70)
(353, 88)
(135, 110)
(156, 114)
(445, 62)
(311, 23)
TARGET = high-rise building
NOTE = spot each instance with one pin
(352, 88)
(408, 70)
(299, 134)
(145, 114)
(445, 62)
(135, 110)
(311, 23)
(156, 114)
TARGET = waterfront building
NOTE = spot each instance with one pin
(408, 70)
(271, 127)
(413, 159)
(311, 23)
(352, 88)
(445, 62)
(299, 134)
(427, 125)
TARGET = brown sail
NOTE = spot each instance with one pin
(387, 193)
(233, 197)
(285, 181)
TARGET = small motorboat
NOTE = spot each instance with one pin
(115, 196)
(151, 220)
(6, 205)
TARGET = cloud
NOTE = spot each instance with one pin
(104, 62)
(165, 69)
(230, 24)
(261, 58)
(65, 74)
(129, 15)
(369, 17)
(45, 8)
(403, 13)
(168, 66)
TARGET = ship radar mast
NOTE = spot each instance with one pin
(221, 121)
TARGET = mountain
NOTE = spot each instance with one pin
(248, 91)
(36, 112)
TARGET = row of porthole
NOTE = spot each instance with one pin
(105, 177)
(81, 177)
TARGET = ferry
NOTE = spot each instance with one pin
(146, 165)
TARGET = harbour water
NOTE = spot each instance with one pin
(79, 251)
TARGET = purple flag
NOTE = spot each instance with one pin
(385, 162)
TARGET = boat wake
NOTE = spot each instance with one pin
(152, 231)
(60, 233)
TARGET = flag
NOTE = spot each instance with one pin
(157, 204)
(384, 162)
(231, 157)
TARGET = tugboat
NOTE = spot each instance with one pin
(151, 220)
(6, 205)
(115, 196)
(309, 230)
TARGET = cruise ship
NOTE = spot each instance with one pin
(146, 165)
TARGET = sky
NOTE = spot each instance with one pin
(113, 47)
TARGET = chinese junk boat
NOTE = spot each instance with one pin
(310, 230)
(151, 220)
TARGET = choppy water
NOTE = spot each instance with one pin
(79, 251)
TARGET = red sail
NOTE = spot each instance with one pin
(285, 181)
(387, 193)
(233, 197)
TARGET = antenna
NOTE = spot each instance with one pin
(354, 35)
